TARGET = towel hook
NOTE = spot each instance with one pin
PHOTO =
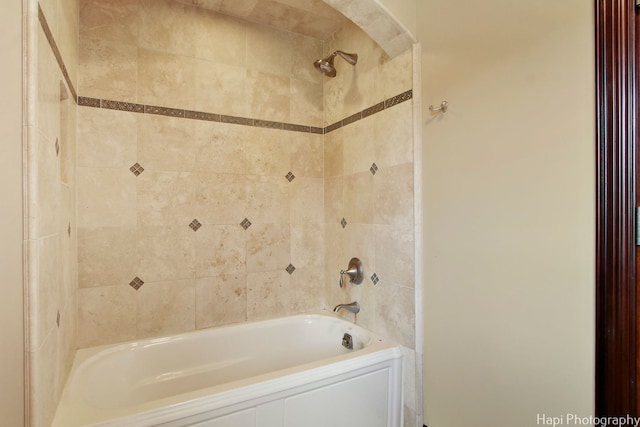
(441, 109)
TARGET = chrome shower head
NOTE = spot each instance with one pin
(326, 67)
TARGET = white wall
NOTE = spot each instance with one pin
(11, 305)
(509, 183)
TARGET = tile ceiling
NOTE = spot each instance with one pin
(312, 18)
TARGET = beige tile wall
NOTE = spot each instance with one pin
(217, 173)
(170, 54)
(138, 226)
(376, 207)
(51, 201)
(63, 20)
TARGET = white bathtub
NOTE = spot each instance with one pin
(287, 372)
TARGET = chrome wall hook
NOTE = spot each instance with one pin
(444, 105)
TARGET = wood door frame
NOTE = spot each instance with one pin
(616, 304)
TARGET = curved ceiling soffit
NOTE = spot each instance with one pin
(375, 20)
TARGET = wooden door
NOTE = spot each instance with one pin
(616, 303)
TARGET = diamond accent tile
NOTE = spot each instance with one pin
(245, 223)
(290, 269)
(373, 169)
(290, 176)
(343, 223)
(136, 283)
(136, 169)
(375, 279)
(195, 225)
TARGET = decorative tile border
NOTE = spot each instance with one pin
(353, 118)
(198, 115)
(331, 128)
(372, 110)
(236, 120)
(88, 102)
(243, 121)
(314, 130)
(163, 111)
(268, 124)
(395, 100)
(387, 103)
(122, 106)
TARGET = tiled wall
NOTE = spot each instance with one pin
(212, 181)
(200, 171)
(219, 197)
(169, 54)
(369, 194)
(51, 201)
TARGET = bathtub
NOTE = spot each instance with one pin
(287, 372)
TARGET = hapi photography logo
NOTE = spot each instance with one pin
(577, 420)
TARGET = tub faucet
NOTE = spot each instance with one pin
(353, 307)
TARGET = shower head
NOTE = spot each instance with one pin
(326, 67)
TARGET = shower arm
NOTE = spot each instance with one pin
(351, 58)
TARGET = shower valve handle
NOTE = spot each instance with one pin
(355, 271)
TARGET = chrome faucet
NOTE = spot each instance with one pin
(353, 307)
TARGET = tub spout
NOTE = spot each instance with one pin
(353, 307)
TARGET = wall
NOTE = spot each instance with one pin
(509, 211)
(217, 115)
(390, 25)
(11, 227)
(215, 140)
(51, 225)
(369, 195)
(404, 11)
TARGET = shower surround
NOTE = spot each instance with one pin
(187, 223)
(193, 222)
(221, 179)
